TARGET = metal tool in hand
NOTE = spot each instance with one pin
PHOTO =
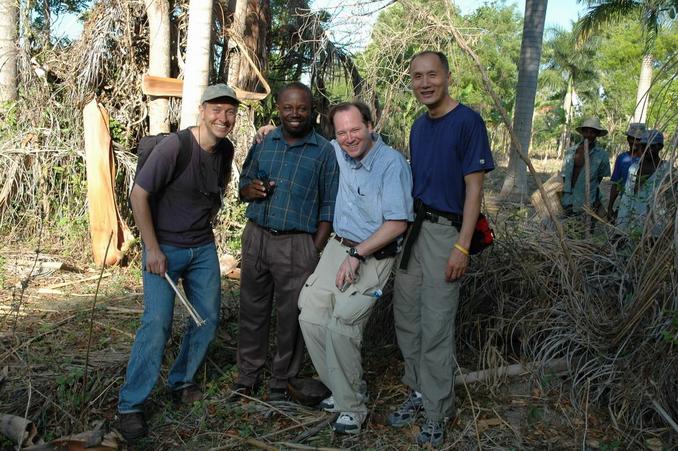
(191, 310)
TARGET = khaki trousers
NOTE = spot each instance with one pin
(272, 266)
(425, 307)
(333, 322)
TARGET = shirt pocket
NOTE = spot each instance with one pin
(368, 201)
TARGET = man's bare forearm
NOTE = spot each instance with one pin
(474, 194)
(143, 217)
(385, 234)
(322, 235)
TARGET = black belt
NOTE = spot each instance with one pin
(345, 241)
(390, 250)
(424, 212)
(276, 232)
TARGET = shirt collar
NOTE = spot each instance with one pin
(310, 138)
(368, 161)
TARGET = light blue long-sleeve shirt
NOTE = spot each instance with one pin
(376, 189)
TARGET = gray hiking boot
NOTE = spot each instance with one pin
(407, 412)
(432, 433)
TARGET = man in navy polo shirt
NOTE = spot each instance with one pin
(450, 154)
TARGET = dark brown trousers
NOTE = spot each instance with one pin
(273, 267)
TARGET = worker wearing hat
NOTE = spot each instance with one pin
(574, 169)
(174, 213)
(623, 162)
(640, 207)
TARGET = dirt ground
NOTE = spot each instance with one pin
(66, 333)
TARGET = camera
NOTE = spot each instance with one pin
(268, 188)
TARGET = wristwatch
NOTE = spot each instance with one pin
(353, 252)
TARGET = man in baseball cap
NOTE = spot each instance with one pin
(173, 210)
(622, 164)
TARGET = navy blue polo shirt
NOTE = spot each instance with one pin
(442, 151)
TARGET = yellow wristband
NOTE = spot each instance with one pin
(461, 249)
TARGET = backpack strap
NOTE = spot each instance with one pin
(185, 153)
(226, 159)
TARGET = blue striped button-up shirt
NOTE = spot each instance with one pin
(376, 189)
(305, 175)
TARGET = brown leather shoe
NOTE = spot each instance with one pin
(187, 395)
(278, 394)
(132, 426)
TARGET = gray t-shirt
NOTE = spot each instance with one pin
(183, 210)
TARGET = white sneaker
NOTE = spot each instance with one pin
(327, 404)
(349, 422)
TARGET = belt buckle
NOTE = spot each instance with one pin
(274, 232)
(431, 217)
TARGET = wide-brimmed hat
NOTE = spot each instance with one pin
(594, 123)
(217, 91)
(636, 130)
(652, 136)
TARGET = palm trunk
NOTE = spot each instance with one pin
(8, 49)
(196, 71)
(567, 107)
(237, 33)
(257, 24)
(158, 61)
(643, 94)
(528, 69)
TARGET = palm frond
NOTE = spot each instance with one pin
(601, 13)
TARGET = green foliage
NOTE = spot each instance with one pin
(404, 29)
(117, 130)
(68, 388)
(8, 118)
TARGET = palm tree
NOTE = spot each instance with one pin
(651, 14)
(528, 70)
(197, 64)
(158, 61)
(9, 12)
(570, 72)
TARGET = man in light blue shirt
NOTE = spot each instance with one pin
(373, 207)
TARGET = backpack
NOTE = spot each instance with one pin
(148, 143)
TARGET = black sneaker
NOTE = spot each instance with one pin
(132, 426)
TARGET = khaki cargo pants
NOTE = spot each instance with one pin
(332, 323)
